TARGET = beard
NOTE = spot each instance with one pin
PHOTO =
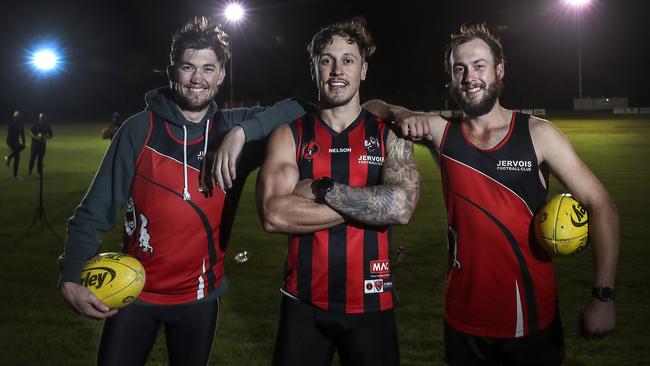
(336, 101)
(483, 106)
(190, 104)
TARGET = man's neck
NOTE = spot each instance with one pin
(194, 116)
(340, 117)
(495, 118)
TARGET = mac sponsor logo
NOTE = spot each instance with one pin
(380, 267)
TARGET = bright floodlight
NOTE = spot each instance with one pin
(578, 3)
(234, 12)
(45, 60)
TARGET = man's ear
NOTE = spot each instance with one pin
(171, 73)
(364, 70)
(222, 75)
(313, 69)
(501, 71)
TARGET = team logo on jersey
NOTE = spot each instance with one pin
(515, 165)
(373, 286)
(380, 268)
(370, 160)
(371, 144)
(144, 249)
(311, 150)
(200, 155)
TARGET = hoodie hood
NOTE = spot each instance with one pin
(161, 102)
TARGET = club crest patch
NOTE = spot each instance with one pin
(310, 150)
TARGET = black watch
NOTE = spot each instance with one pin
(321, 187)
(603, 293)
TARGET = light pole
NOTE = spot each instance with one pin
(234, 13)
(578, 5)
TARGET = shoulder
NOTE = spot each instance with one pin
(542, 128)
(138, 121)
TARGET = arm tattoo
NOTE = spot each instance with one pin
(392, 202)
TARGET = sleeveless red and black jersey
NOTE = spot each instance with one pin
(500, 282)
(345, 268)
(180, 243)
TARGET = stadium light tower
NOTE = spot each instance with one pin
(578, 6)
(234, 13)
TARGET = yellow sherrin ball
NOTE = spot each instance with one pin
(115, 278)
(562, 226)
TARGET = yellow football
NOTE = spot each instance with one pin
(115, 278)
(562, 226)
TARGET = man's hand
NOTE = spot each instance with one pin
(598, 318)
(220, 168)
(84, 302)
(304, 189)
(412, 125)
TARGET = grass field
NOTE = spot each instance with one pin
(37, 327)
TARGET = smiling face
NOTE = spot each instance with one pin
(338, 71)
(476, 81)
(195, 79)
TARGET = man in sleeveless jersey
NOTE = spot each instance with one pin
(177, 231)
(500, 293)
(335, 181)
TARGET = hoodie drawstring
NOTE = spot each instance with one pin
(205, 144)
(186, 192)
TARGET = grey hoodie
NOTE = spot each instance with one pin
(101, 206)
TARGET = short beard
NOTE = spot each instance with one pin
(330, 103)
(184, 103)
(484, 106)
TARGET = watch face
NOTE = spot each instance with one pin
(606, 293)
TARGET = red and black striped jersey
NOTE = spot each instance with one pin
(180, 243)
(500, 282)
(345, 268)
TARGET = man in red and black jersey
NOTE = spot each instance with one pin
(177, 231)
(335, 181)
(500, 293)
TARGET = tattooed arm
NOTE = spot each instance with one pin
(394, 201)
(280, 208)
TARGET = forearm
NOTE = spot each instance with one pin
(383, 110)
(257, 123)
(605, 242)
(293, 214)
(374, 205)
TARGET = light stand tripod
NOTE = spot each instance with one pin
(40, 211)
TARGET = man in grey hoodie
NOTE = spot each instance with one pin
(177, 229)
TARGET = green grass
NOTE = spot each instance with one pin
(37, 327)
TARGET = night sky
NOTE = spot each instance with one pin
(114, 49)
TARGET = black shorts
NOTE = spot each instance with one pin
(544, 348)
(308, 335)
(127, 337)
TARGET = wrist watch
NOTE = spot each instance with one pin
(603, 293)
(321, 187)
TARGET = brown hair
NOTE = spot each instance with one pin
(354, 30)
(200, 33)
(470, 32)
